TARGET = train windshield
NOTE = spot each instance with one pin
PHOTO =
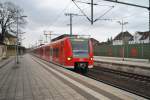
(80, 47)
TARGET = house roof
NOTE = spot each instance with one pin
(145, 35)
(121, 35)
(94, 40)
(10, 35)
(131, 39)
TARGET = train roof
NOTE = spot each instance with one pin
(67, 35)
(62, 36)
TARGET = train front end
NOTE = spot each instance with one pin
(81, 56)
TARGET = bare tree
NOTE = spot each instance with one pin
(9, 13)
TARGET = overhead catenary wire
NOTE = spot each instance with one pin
(129, 4)
(60, 14)
(136, 14)
(88, 7)
(104, 14)
(81, 11)
(124, 17)
(91, 3)
(86, 2)
(101, 15)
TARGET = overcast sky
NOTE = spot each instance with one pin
(49, 15)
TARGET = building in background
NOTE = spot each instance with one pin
(140, 37)
(10, 41)
(122, 38)
(2, 49)
(8, 47)
(94, 41)
(5, 50)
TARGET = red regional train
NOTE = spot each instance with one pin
(70, 51)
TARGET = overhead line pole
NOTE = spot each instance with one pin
(17, 59)
(71, 15)
(45, 36)
(46, 33)
(149, 18)
(70, 24)
(122, 23)
(91, 18)
(91, 12)
(17, 36)
(149, 29)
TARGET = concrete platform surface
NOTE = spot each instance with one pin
(120, 59)
(30, 81)
(3, 62)
(34, 79)
(135, 66)
(127, 61)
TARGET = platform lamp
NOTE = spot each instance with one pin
(149, 44)
(17, 60)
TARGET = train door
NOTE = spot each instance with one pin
(61, 53)
(43, 52)
(51, 53)
(47, 53)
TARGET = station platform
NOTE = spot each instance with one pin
(135, 66)
(3, 62)
(35, 79)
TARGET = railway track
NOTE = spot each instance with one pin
(132, 83)
(137, 77)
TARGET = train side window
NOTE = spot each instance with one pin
(47, 50)
(55, 52)
(62, 44)
(51, 51)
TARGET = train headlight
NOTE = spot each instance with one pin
(91, 58)
(69, 58)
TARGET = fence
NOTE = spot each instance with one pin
(141, 51)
